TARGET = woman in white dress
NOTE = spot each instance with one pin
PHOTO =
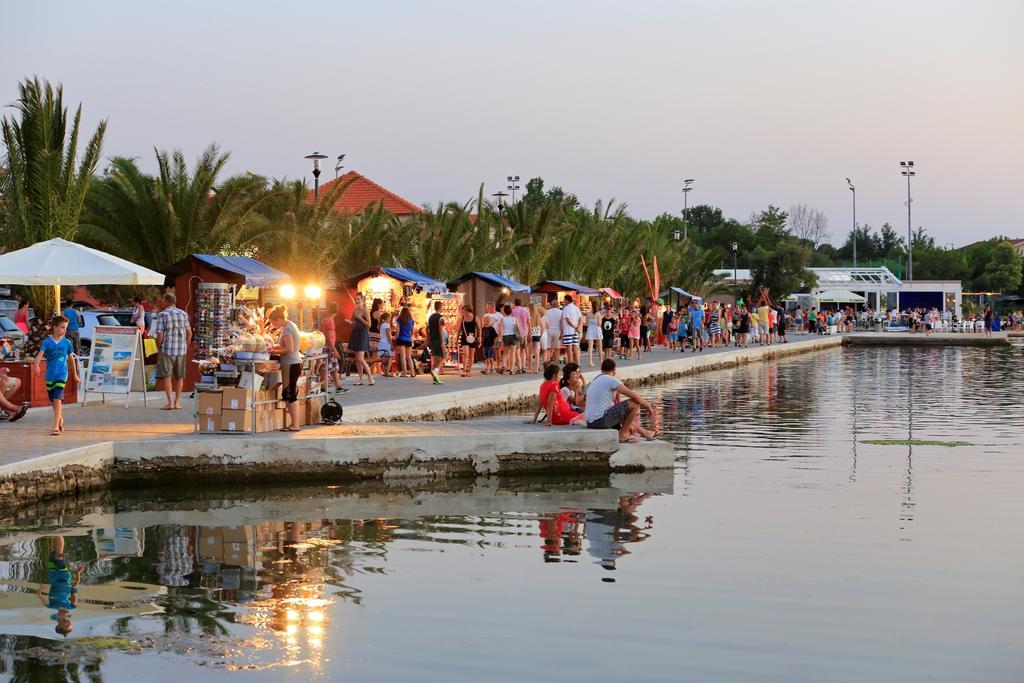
(594, 336)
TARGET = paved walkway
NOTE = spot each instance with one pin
(98, 422)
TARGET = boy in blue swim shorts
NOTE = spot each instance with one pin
(56, 349)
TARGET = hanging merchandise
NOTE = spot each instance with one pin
(214, 302)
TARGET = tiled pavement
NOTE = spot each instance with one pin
(96, 422)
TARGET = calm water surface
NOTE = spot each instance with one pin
(782, 548)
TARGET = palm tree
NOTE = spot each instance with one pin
(302, 237)
(539, 228)
(44, 182)
(371, 238)
(158, 220)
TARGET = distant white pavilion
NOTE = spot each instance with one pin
(877, 285)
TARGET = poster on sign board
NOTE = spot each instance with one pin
(115, 362)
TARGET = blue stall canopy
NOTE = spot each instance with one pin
(240, 270)
(492, 279)
(406, 275)
(555, 286)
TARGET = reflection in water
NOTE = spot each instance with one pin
(782, 544)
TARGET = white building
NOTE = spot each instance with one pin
(878, 286)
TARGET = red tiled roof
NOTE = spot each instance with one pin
(363, 192)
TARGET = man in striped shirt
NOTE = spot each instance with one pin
(173, 334)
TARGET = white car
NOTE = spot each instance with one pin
(92, 319)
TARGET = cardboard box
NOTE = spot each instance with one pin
(302, 387)
(236, 421)
(248, 380)
(237, 534)
(313, 407)
(235, 399)
(279, 418)
(210, 402)
(264, 421)
(209, 423)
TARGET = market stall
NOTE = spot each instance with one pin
(396, 286)
(556, 290)
(677, 296)
(207, 287)
(55, 263)
(479, 289)
(239, 388)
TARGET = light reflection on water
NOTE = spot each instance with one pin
(782, 548)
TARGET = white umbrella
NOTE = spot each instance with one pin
(841, 296)
(59, 262)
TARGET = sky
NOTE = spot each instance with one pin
(760, 102)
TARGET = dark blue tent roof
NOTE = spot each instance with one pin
(494, 279)
(565, 286)
(256, 274)
(427, 284)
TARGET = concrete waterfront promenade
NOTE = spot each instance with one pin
(399, 428)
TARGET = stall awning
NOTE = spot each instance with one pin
(492, 279)
(407, 275)
(550, 286)
(256, 274)
(611, 293)
(680, 291)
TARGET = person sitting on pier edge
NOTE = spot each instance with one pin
(605, 411)
(553, 402)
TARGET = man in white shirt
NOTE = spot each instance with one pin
(603, 412)
(554, 332)
(571, 317)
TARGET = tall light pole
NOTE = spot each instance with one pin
(908, 171)
(686, 214)
(316, 157)
(338, 166)
(853, 189)
(735, 247)
(513, 186)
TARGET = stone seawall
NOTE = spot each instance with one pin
(318, 456)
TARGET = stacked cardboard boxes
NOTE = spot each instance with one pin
(232, 410)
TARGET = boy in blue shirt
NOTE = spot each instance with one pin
(56, 349)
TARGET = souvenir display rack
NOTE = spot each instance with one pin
(214, 304)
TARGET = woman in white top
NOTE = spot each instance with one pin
(593, 336)
(384, 349)
(508, 339)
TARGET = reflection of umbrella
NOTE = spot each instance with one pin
(22, 614)
(59, 262)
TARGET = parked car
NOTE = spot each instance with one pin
(9, 329)
(94, 318)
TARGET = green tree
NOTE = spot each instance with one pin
(779, 260)
(1000, 270)
(45, 180)
(158, 220)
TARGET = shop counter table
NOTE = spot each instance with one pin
(33, 387)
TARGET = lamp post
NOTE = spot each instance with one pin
(338, 166)
(499, 197)
(735, 248)
(686, 213)
(853, 189)
(908, 171)
(676, 235)
(513, 186)
(316, 157)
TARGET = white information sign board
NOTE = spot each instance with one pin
(116, 362)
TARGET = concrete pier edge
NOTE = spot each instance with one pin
(225, 459)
